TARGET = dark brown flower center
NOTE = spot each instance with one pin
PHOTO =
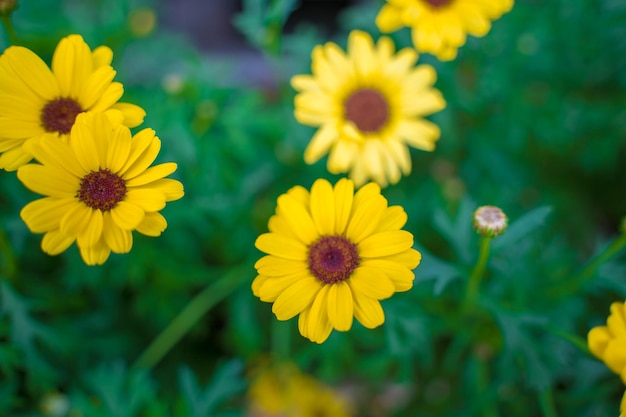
(59, 115)
(101, 189)
(367, 109)
(438, 3)
(332, 259)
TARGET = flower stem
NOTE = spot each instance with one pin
(8, 26)
(471, 293)
(546, 402)
(281, 340)
(190, 315)
(571, 285)
(8, 264)
(482, 385)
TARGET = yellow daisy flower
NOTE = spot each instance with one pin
(36, 101)
(440, 27)
(282, 390)
(332, 255)
(98, 188)
(608, 343)
(369, 105)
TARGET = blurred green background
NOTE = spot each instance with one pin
(535, 123)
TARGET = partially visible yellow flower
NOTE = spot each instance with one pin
(440, 27)
(284, 391)
(37, 102)
(98, 188)
(332, 255)
(369, 104)
(608, 343)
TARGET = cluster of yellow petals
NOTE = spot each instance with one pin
(283, 390)
(78, 76)
(608, 343)
(441, 27)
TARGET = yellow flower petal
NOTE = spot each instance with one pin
(323, 207)
(119, 240)
(153, 224)
(371, 282)
(275, 266)
(298, 218)
(144, 149)
(295, 298)
(94, 86)
(55, 242)
(318, 326)
(48, 181)
(95, 255)
(366, 218)
(76, 219)
(340, 306)
(400, 276)
(31, 71)
(368, 311)
(147, 199)
(385, 243)
(127, 215)
(281, 246)
(46, 213)
(320, 144)
(133, 114)
(343, 196)
(92, 233)
(72, 64)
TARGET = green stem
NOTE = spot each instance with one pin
(572, 284)
(473, 284)
(281, 340)
(8, 26)
(8, 266)
(575, 340)
(546, 402)
(189, 316)
(482, 385)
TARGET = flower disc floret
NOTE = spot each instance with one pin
(332, 255)
(332, 259)
(98, 188)
(101, 189)
(369, 104)
(38, 101)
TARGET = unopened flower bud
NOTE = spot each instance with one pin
(490, 221)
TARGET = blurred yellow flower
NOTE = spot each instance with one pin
(332, 255)
(369, 104)
(98, 188)
(440, 27)
(284, 391)
(608, 343)
(37, 102)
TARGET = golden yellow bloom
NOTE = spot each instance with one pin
(332, 255)
(37, 102)
(608, 343)
(369, 105)
(440, 27)
(283, 391)
(98, 188)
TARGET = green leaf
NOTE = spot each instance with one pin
(522, 227)
(204, 401)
